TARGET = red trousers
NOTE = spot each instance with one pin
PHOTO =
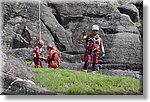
(93, 58)
(90, 59)
(37, 63)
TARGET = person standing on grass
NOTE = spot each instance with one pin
(37, 58)
(94, 47)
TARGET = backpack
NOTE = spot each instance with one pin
(53, 56)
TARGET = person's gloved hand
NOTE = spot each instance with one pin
(84, 33)
(103, 54)
(45, 60)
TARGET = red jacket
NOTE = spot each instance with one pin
(94, 44)
(53, 59)
(37, 53)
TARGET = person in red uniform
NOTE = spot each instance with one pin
(94, 47)
(53, 58)
(37, 54)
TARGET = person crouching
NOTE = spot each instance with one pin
(53, 58)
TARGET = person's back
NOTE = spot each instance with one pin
(53, 58)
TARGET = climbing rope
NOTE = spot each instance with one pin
(39, 18)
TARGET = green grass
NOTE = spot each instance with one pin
(28, 62)
(76, 82)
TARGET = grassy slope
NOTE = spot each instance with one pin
(77, 82)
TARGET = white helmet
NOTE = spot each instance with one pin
(95, 27)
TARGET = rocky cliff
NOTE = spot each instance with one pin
(61, 24)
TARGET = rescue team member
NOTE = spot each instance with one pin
(37, 58)
(53, 58)
(94, 46)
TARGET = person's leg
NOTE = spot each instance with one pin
(49, 65)
(35, 63)
(86, 64)
(93, 66)
(94, 63)
(40, 62)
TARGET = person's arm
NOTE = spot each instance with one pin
(38, 54)
(102, 47)
(49, 57)
(84, 36)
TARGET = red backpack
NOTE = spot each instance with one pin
(53, 59)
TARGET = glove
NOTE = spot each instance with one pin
(103, 54)
(84, 33)
(45, 60)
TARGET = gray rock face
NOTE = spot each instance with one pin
(17, 78)
(122, 2)
(130, 10)
(21, 53)
(62, 24)
(56, 30)
(123, 48)
(19, 86)
(103, 13)
(15, 67)
(16, 17)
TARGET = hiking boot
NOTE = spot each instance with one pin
(84, 70)
(97, 68)
(93, 72)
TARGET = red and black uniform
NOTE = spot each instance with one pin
(53, 59)
(37, 57)
(93, 49)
